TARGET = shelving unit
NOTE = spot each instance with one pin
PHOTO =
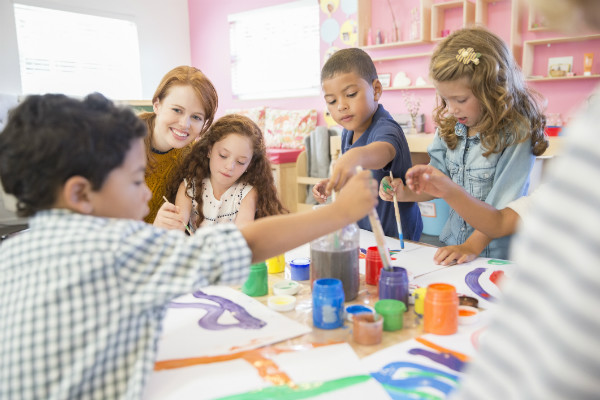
(439, 9)
(529, 48)
(364, 23)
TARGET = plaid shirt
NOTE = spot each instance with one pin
(82, 300)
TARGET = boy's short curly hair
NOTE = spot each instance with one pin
(51, 138)
(350, 60)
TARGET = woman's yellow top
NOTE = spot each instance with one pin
(157, 175)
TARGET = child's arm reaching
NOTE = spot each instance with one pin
(375, 155)
(247, 209)
(480, 215)
(273, 235)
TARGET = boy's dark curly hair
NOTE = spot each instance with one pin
(51, 138)
(195, 166)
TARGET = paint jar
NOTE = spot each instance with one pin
(328, 303)
(336, 256)
(257, 283)
(393, 284)
(419, 295)
(300, 269)
(276, 264)
(392, 311)
(441, 309)
(367, 328)
(373, 266)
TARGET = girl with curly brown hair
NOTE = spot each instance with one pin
(226, 177)
(490, 127)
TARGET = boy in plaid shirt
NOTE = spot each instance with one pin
(84, 290)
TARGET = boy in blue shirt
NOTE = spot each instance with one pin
(83, 292)
(370, 138)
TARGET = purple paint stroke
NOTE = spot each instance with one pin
(472, 281)
(446, 359)
(210, 320)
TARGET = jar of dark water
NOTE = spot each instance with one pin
(336, 256)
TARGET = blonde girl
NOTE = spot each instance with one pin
(490, 128)
(184, 106)
(226, 177)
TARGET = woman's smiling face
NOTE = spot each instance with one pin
(180, 118)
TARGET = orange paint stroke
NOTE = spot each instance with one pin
(460, 356)
(258, 358)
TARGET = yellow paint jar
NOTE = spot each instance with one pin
(276, 264)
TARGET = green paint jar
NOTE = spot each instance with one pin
(257, 283)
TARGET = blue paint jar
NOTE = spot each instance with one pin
(328, 303)
(393, 284)
(300, 269)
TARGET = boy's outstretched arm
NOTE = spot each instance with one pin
(274, 235)
(375, 155)
(480, 215)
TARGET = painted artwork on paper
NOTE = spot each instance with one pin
(331, 372)
(427, 367)
(220, 320)
(481, 278)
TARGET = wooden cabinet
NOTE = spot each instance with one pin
(285, 181)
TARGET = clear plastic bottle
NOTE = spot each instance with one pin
(336, 256)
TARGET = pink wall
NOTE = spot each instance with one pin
(209, 40)
(210, 52)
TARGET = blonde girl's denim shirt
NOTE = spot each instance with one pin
(496, 179)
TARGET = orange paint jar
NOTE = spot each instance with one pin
(441, 309)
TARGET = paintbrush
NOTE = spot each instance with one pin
(187, 228)
(384, 253)
(397, 211)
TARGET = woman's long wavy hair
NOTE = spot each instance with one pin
(182, 76)
(195, 166)
(510, 111)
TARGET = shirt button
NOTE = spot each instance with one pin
(462, 229)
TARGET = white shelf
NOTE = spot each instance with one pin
(402, 57)
(408, 88)
(562, 78)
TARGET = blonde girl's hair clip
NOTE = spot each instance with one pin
(465, 56)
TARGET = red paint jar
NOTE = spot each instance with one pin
(373, 266)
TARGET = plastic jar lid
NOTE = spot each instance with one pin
(357, 309)
(282, 302)
(467, 315)
(286, 287)
(300, 262)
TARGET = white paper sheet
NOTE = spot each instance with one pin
(238, 377)
(248, 325)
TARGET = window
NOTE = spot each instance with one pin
(275, 51)
(76, 54)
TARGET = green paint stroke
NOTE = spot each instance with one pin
(498, 262)
(303, 391)
(416, 394)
